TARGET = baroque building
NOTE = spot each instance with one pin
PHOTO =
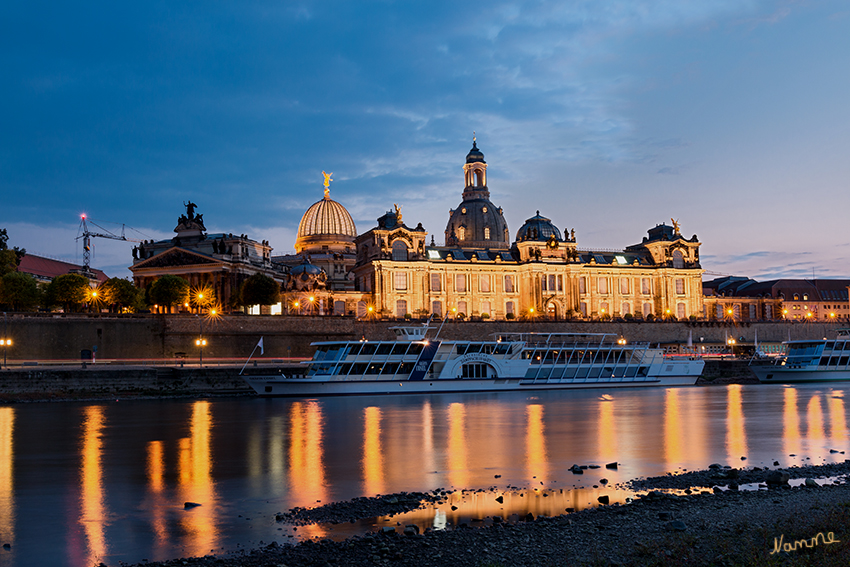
(219, 261)
(479, 273)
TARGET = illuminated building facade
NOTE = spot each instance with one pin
(478, 273)
(743, 299)
(221, 262)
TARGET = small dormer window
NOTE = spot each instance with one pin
(463, 211)
(796, 297)
(461, 232)
(805, 297)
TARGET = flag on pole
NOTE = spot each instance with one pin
(260, 344)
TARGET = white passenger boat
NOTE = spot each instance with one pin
(808, 361)
(415, 364)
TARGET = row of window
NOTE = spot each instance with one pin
(462, 307)
(548, 282)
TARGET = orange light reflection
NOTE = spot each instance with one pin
(814, 419)
(536, 461)
(196, 484)
(92, 513)
(673, 451)
(791, 423)
(373, 459)
(837, 419)
(156, 469)
(736, 436)
(7, 480)
(306, 454)
(457, 457)
(607, 431)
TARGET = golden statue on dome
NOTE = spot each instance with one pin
(327, 183)
(397, 213)
(675, 226)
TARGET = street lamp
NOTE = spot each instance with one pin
(200, 342)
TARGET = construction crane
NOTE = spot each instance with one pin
(87, 235)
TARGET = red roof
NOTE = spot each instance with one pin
(47, 268)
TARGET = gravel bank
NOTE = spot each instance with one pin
(727, 528)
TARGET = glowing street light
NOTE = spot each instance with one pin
(5, 342)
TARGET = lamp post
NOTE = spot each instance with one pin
(200, 342)
(5, 341)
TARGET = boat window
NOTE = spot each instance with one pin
(830, 345)
(344, 369)
(415, 349)
(374, 368)
(355, 349)
(502, 348)
(461, 349)
(384, 348)
(358, 369)
(544, 373)
(390, 368)
(526, 354)
(551, 357)
(399, 348)
(369, 349)
(487, 349)
(320, 353)
(530, 373)
(474, 347)
(405, 368)
(842, 361)
(537, 357)
(322, 369)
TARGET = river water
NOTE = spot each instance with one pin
(82, 483)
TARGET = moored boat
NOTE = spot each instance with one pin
(808, 361)
(512, 361)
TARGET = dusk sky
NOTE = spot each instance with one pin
(608, 116)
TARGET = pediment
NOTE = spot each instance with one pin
(175, 257)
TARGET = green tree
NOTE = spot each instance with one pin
(69, 291)
(168, 291)
(260, 289)
(118, 293)
(9, 259)
(19, 291)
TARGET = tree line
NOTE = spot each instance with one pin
(74, 293)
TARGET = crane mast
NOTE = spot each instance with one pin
(86, 235)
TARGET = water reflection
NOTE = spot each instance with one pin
(837, 417)
(607, 430)
(156, 486)
(536, 460)
(7, 481)
(736, 435)
(195, 483)
(373, 459)
(673, 433)
(790, 422)
(92, 512)
(457, 457)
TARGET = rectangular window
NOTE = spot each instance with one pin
(461, 307)
(400, 308)
(552, 285)
(509, 307)
(680, 286)
(752, 312)
(437, 308)
(680, 310)
(460, 283)
(485, 308)
(624, 286)
(603, 285)
(582, 285)
(645, 286)
(543, 283)
(401, 280)
(436, 283)
(509, 284)
(484, 283)
(583, 308)
(560, 283)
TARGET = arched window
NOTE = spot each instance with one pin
(399, 251)
(461, 232)
(486, 233)
(479, 178)
(647, 309)
(678, 259)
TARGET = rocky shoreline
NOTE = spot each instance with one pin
(718, 527)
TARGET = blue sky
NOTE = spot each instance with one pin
(608, 116)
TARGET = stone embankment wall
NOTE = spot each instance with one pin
(62, 337)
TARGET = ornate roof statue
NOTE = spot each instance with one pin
(190, 221)
(327, 184)
(675, 226)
